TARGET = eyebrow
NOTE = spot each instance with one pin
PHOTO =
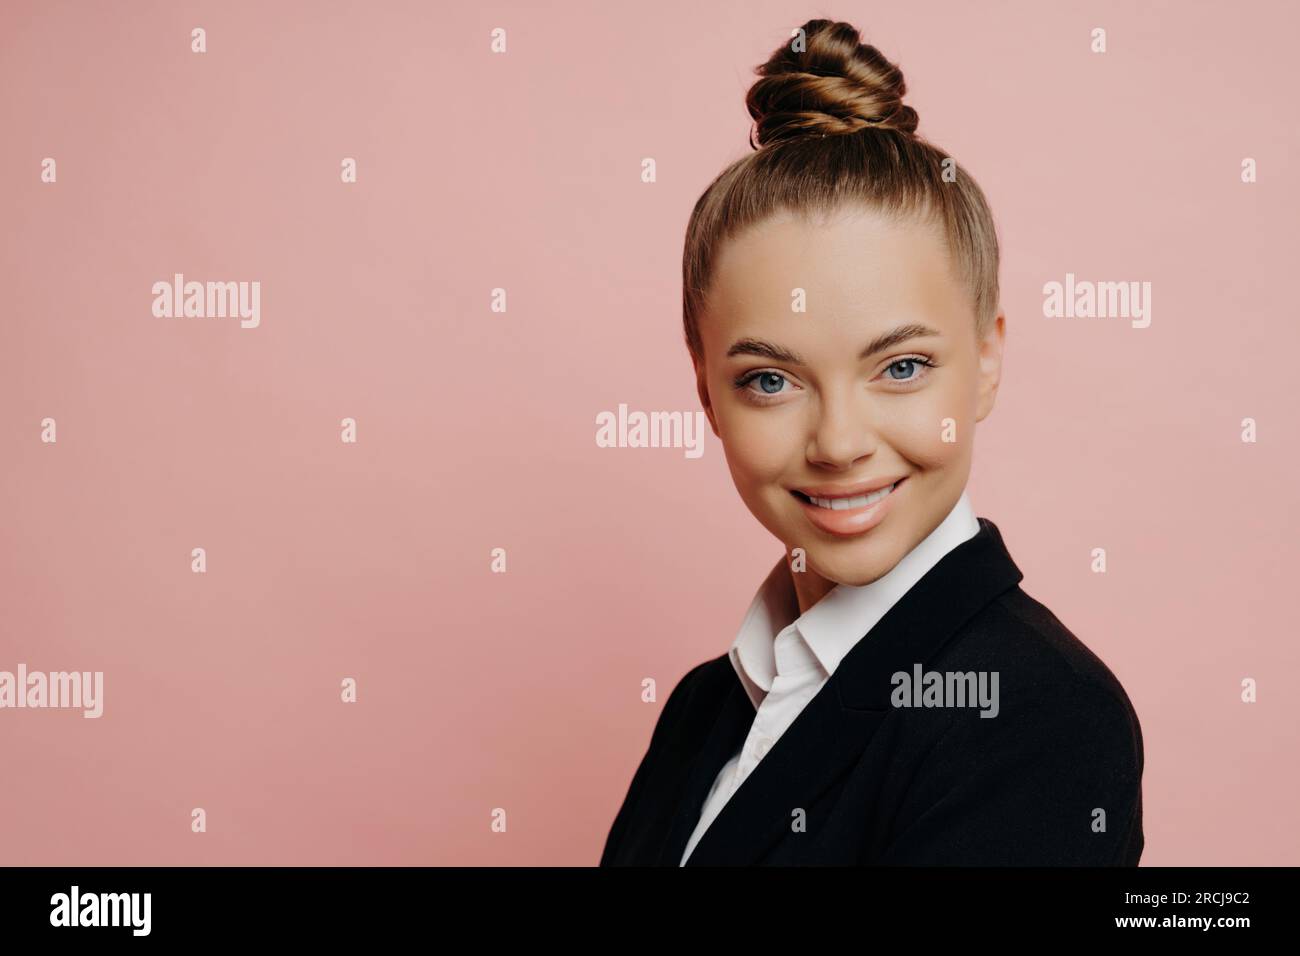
(777, 353)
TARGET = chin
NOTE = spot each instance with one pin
(844, 569)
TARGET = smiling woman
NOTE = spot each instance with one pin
(881, 382)
(841, 312)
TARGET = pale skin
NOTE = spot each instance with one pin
(828, 416)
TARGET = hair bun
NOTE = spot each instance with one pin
(836, 84)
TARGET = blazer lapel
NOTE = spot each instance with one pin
(835, 726)
(724, 739)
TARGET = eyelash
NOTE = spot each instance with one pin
(742, 383)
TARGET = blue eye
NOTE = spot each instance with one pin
(914, 364)
(907, 364)
(769, 382)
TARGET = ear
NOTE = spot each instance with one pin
(702, 387)
(990, 366)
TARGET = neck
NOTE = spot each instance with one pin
(809, 587)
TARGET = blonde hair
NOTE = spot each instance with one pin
(832, 130)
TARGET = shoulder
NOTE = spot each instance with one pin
(706, 682)
(1055, 705)
(1053, 777)
(1042, 665)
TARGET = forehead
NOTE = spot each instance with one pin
(856, 267)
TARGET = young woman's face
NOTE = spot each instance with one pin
(805, 412)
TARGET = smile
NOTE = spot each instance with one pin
(847, 515)
(845, 504)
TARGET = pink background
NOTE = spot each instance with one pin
(476, 429)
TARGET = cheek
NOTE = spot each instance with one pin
(759, 453)
(931, 428)
(758, 446)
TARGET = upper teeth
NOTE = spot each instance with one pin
(842, 504)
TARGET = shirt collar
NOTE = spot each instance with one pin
(843, 616)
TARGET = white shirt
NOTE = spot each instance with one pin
(783, 658)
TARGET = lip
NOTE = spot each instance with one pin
(851, 521)
(849, 491)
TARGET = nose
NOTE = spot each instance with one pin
(844, 431)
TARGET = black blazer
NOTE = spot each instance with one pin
(1054, 779)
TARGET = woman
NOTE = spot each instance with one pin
(893, 696)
